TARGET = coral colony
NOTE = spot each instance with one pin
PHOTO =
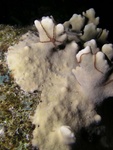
(73, 73)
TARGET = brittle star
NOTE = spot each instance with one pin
(94, 61)
(52, 39)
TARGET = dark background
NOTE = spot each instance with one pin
(24, 12)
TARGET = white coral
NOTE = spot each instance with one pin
(84, 30)
(72, 80)
(49, 32)
(68, 136)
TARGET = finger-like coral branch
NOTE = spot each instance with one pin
(72, 72)
(50, 31)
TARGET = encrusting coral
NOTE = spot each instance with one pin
(72, 72)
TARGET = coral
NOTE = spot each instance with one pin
(72, 72)
(81, 32)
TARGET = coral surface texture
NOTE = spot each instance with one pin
(71, 64)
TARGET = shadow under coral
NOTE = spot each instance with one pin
(100, 136)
